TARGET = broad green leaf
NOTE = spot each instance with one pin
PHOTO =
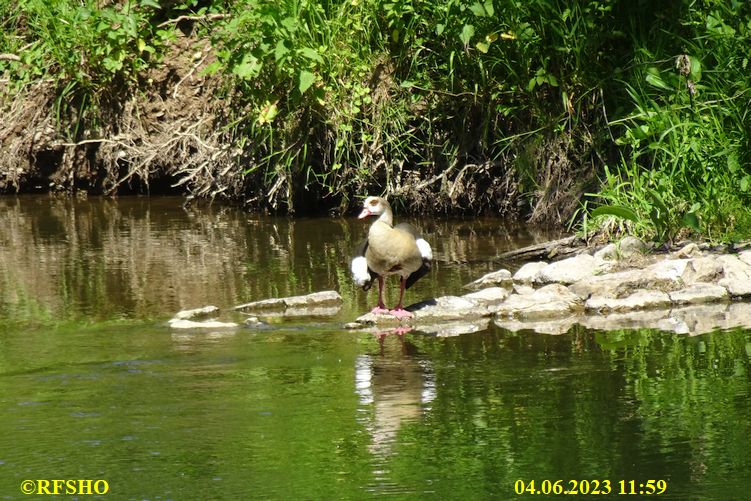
(745, 183)
(478, 9)
(290, 23)
(691, 221)
(482, 47)
(249, 67)
(150, 3)
(311, 54)
(733, 163)
(280, 50)
(406, 84)
(489, 7)
(439, 28)
(695, 73)
(306, 80)
(468, 31)
(656, 81)
(617, 211)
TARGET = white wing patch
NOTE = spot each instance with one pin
(425, 251)
(360, 271)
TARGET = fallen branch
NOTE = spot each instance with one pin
(554, 248)
(9, 57)
(207, 17)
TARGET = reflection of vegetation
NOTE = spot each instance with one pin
(532, 406)
(144, 258)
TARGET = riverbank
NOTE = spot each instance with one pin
(528, 111)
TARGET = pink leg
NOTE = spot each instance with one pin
(399, 312)
(380, 308)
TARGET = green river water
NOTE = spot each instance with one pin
(94, 385)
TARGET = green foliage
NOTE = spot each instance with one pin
(329, 99)
(686, 163)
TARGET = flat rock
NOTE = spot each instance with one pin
(665, 275)
(195, 313)
(440, 309)
(549, 301)
(699, 292)
(607, 253)
(631, 246)
(702, 269)
(687, 251)
(736, 275)
(567, 271)
(204, 324)
(639, 300)
(454, 328)
(316, 299)
(449, 308)
(499, 277)
(529, 271)
(490, 295)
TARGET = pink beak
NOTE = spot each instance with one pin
(365, 213)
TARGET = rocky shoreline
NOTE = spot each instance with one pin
(690, 291)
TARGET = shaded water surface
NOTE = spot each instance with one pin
(94, 385)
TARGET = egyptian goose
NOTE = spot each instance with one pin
(390, 250)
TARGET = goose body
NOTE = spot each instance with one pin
(390, 250)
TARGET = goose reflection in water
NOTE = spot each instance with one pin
(394, 386)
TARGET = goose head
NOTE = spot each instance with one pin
(374, 206)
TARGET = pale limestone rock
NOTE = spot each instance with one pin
(494, 278)
(639, 300)
(313, 300)
(567, 271)
(607, 253)
(449, 308)
(527, 272)
(523, 289)
(699, 292)
(688, 251)
(631, 246)
(454, 328)
(195, 313)
(549, 301)
(177, 323)
(663, 275)
(490, 295)
(702, 269)
(745, 256)
(736, 275)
